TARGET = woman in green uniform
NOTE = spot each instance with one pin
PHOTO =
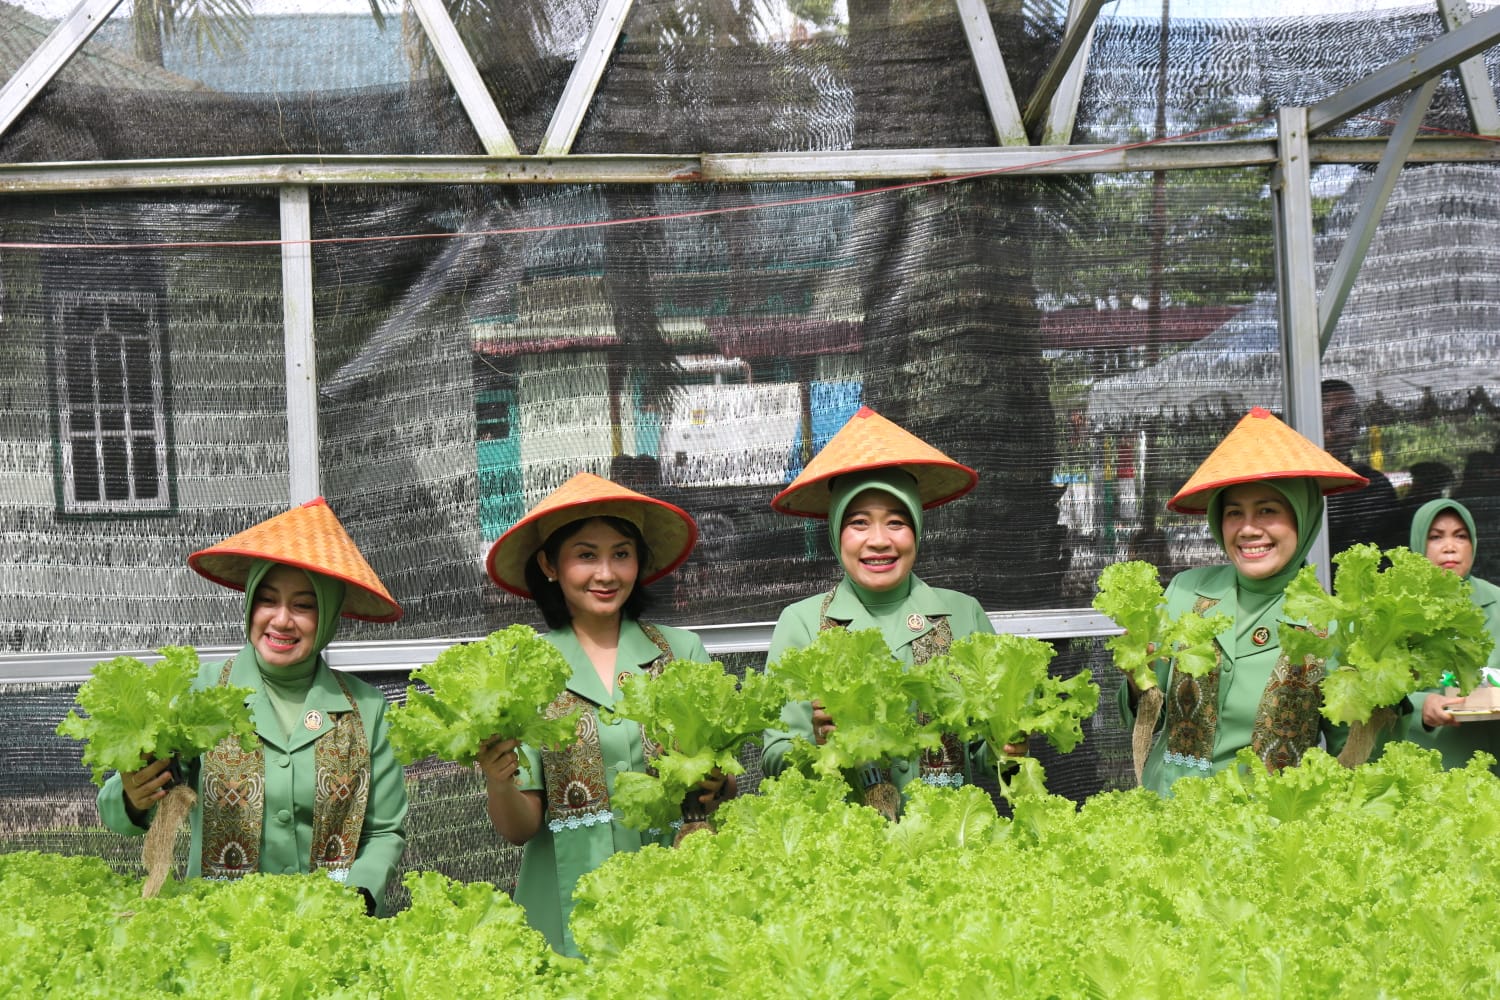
(1443, 530)
(1262, 489)
(584, 555)
(322, 789)
(872, 481)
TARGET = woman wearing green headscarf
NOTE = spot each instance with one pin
(1262, 489)
(1443, 531)
(872, 482)
(322, 788)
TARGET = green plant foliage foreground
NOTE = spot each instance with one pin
(1320, 881)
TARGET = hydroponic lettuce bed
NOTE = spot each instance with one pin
(1317, 882)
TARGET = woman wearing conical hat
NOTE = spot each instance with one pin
(1262, 488)
(872, 482)
(585, 554)
(1443, 530)
(322, 789)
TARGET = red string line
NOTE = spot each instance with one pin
(635, 220)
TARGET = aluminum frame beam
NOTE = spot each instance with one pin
(1296, 279)
(1473, 75)
(1406, 73)
(994, 80)
(1367, 220)
(405, 655)
(56, 49)
(588, 70)
(1062, 110)
(893, 164)
(1076, 40)
(301, 346)
(464, 75)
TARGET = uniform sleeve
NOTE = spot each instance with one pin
(112, 809)
(796, 717)
(382, 839)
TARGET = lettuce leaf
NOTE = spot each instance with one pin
(869, 694)
(1132, 596)
(997, 688)
(1390, 632)
(496, 686)
(700, 718)
(139, 712)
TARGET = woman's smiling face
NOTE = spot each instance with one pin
(1259, 530)
(284, 617)
(596, 568)
(877, 543)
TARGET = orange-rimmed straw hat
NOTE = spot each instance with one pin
(669, 531)
(308, 537)
(1262, 447)
(867, 442)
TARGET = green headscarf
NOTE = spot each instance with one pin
(1421, 524)
(287, 686)
(887, 607)
(1255, 598)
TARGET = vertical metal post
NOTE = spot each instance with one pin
(1297, 293)
(301, 352)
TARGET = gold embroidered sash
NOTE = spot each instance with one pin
(1286, 718)
(576, 785)
(232, 790)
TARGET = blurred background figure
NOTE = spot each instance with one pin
(1372, 514)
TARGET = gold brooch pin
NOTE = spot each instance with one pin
(915, 622)
(1261, 636)
(313, 720)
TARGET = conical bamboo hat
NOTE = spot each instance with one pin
(309, 537)
(669, 531)
(1262, 447)
(869, 441)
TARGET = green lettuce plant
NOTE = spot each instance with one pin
(138, 712)
(1131, 594)
(500, 685)
(700, 718)
(1385, 633)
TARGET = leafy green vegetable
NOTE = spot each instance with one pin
(1309, 882)
(701, 718)
(500, 685)
(1132, 596)
(997, 688)
(1391, 632)
(139, 711)
(867, 691)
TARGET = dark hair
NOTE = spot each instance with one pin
(548, 594)
(1337, 385)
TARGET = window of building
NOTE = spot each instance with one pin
(111, 403)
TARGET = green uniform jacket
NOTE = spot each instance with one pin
(798, 627)
(1458, 743)
(1242, 680)
(286, 832)
(554, 860)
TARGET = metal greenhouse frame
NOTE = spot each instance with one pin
(1046, 115)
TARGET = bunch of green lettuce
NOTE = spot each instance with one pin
(1315, 881)
(997, 688)
(139, 711)
(869, 694)
(74, 928)
(462, 940)
(1391, 631)
(1132, 596)
(500, 685)
(700, 718)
